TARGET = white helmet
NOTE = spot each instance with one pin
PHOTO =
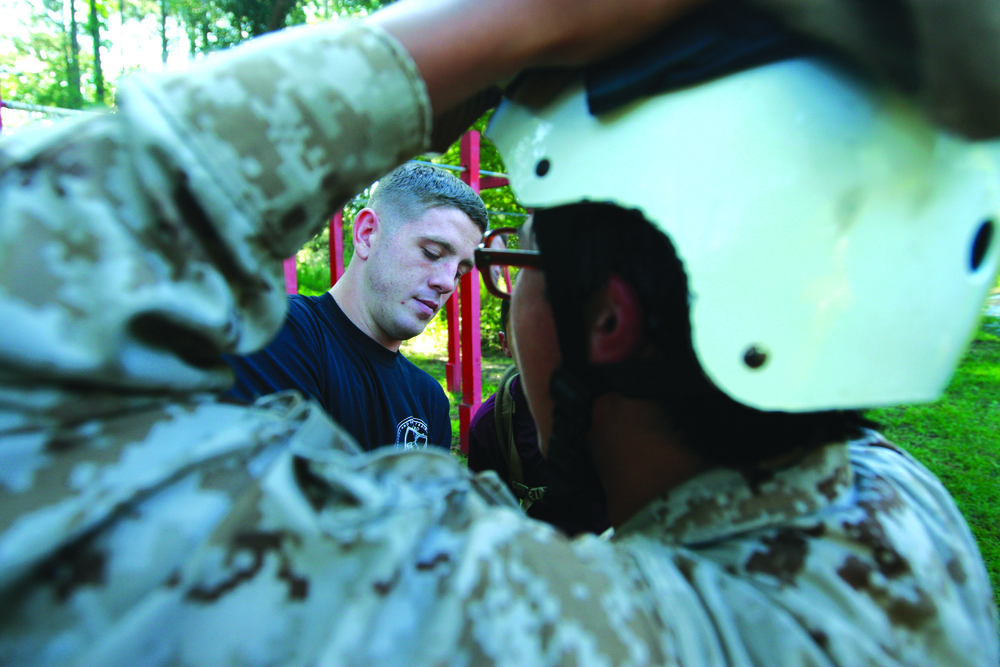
(838, 247)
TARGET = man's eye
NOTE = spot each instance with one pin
(430, 254)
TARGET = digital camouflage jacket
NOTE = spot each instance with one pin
(145, 523)
(199, 533)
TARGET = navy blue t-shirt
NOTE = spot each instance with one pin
(378, 395)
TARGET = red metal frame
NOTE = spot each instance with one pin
(453, 367)
(291, 277)
(472, 353)
(336, 247)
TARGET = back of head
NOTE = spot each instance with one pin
(413, 188)
(805, 241)
(582, 245)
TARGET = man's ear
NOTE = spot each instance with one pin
(616, 324)
(367, 227)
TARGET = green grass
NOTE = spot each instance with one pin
(958, 439)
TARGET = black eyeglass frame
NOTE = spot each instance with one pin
(487, 257)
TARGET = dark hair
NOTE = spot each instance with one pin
(414, 187)
(581, 244)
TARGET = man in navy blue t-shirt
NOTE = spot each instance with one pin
(412, 242)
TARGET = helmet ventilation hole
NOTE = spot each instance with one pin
(981, 244)
(755, 357)
(542, 167)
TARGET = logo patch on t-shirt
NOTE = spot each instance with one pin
(412, 433)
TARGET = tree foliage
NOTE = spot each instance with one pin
(217, 24)
(55, 57)
(49, 62)
(326, 9)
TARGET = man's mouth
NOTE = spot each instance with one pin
(431, 306)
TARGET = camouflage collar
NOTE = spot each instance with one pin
(724, 501)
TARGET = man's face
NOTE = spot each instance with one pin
(536, 348)
(413, 268)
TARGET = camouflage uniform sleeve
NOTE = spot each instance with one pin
(947, 53)
(147, 531)
(138, 246)
(406, 560)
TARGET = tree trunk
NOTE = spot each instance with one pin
(279, 10)
(121, 42)
(95, 35)
(75, 100)
(164, 8)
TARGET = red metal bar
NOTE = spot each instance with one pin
(469, 159)
(336, 247)
(487, 182)
(472, 362)
(291, 277)
(472, 374)
(453, 367)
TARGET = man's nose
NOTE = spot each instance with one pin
(445, 278)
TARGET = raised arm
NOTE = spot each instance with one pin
(462, 46)
(156, 234)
